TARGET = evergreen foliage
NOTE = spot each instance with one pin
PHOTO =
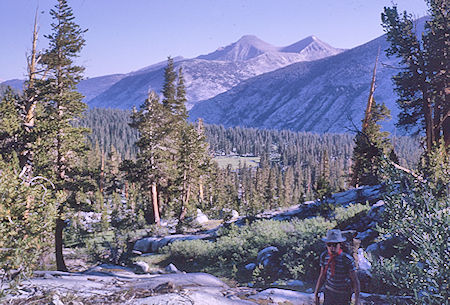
(61, 144)
(299, 240)
(173, 155)
(110, 127)
(417, 215)
(289, 172)
(153, 164)
(423, 80)
(10, 125)
(27, 218)
(370, 145)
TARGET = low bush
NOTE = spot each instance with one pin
(417, 214)
(27, 217)
(187, 251)
(352, 213)
(302, 252)
(238, 246)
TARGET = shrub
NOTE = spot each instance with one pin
(27, 217)
(304, 247)
(350, 214)
(419, 219)
(237, 246)
(186, 251)
(242, 244)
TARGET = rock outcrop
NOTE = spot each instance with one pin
(109, 284)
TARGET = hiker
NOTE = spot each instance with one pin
(337, 272)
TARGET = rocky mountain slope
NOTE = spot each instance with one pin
(211, 74)
(326, 95)
(321, 96)
(206, 76)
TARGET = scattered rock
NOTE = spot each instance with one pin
(282, 296)
(376, 210)
(250, 266)
(152, 244)
(141, 267)
(201, 218)
(56, 300)
(385, 248)
(364, 264)
(295, 283)
(167, 287)
(269, 258)
(266, 255)
(367, 236)
(171, 268)
(136, 252)
(364, 274)
(48, 276)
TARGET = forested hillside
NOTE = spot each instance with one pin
(291, 162)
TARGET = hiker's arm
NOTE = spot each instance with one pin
(319, 284)
(355, 283)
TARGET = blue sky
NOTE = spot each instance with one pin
(124, 36)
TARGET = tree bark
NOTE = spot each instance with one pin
(201, 193)
(127, 195)
(60, 264)
(102, 171)
(155, 204)
(446, 130)
(428, 124)
(370, 100)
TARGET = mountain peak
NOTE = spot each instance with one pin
(247, 47)
(299, 46)
(311, 48)
(249, 38)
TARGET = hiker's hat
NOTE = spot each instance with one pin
(334, 236)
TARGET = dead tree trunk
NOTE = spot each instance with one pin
(155, 204)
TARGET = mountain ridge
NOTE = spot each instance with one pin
(326, 95)
(205, 78)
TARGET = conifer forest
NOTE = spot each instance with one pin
(146, 171)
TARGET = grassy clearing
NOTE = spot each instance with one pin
(235, 160)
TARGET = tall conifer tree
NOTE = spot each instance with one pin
(423, 83)
(153, 162)
(370, 145)
(62, 144)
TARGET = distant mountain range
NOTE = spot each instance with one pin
(205, 76)
(306, 86)
(326, 95)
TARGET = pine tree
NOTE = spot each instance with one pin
(193, 161)
(113, 177)
(10, 124)
(192, 152)
(61, 144)
(26, 226)
(153, 162)
(323, 188)
(169, 90)
(370, 145)
(422, 85)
